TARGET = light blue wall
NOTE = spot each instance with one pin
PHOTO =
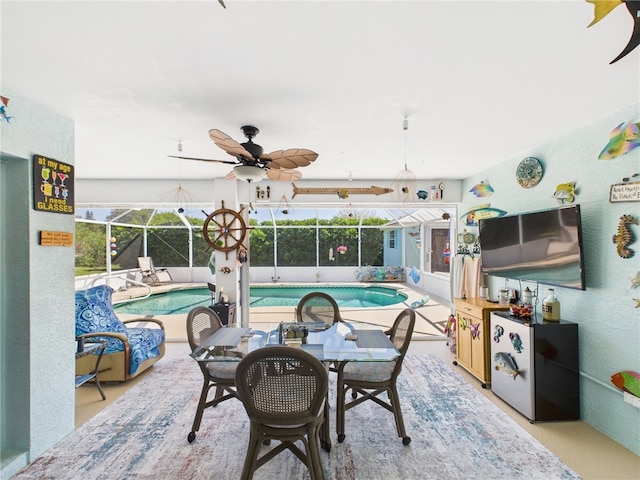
(392, 257)
(609, 322)
(37, 284)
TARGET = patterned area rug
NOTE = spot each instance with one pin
(456, 434)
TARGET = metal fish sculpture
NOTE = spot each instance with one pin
(506, 364)
(627, 380)
(481, 212)
(422, 194)
(624, 138)
(565, 192)
(482, 189)
(604, 7)
(3, 109)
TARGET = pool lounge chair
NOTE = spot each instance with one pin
(152, 275)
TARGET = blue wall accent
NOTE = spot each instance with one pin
(37, 319)
(393, 256)
(607, 314)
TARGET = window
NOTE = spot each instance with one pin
(392, 239)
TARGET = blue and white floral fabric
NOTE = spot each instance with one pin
(94, 314)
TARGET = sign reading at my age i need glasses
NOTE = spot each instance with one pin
(52, 185)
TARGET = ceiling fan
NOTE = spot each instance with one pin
(251, 164)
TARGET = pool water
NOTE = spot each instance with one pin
(182, 301)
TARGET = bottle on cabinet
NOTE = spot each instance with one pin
(527, 296)
(551, 307)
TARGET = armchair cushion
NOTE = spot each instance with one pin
(95, 315)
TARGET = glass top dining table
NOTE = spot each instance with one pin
(335, 344)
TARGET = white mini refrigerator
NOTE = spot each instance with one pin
(535, 366)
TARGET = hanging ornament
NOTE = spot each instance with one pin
(446, 254)
(180, 196)
(284, 206)
(404, 184)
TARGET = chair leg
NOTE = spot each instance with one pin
(340, 410)
(201, 406)
(253, 450)
(397, 413)
(313, 453)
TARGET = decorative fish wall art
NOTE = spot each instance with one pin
(506, 364)
(624, 236)
(565, 192)
(341, 192)
(482, 189)
(603, 7)
(627, 380)
(624, 138)
(4, 115)
(480, 212)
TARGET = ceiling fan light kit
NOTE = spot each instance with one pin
(249, 174)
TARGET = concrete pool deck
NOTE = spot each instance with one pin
(431, 317)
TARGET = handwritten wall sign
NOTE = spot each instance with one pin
(625, 192)
(52, 185)
(56, 239)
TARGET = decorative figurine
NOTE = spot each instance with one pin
(624, 236)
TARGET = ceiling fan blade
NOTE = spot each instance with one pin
(230, 176)
(284, 175)
(291, 158)
(228, 144)
(230, 162)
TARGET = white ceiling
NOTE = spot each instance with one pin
(480, 82)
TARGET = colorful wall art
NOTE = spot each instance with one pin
(603, 7)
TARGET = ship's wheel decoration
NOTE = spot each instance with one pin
(225, 230)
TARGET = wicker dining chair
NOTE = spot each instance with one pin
(369, 379)
(202, 322)
(283, 390)
(318, 307)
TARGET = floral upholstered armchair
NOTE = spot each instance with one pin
(129, 350)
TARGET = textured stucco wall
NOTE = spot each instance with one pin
(609, 322)
(50, 366)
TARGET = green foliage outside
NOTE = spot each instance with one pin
(293, 242)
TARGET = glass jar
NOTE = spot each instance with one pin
(503, 297)
(527, 296)
(551, 307)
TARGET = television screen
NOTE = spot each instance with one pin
(543, 247)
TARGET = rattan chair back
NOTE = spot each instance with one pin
(400, 334)
(318, 307)
(283, 390)
(202, 322)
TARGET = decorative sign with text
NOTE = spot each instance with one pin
(52, 185)
(56, 239)
(625, 192)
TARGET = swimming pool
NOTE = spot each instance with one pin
(182, 301)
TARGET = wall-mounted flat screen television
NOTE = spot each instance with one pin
(544, 247)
